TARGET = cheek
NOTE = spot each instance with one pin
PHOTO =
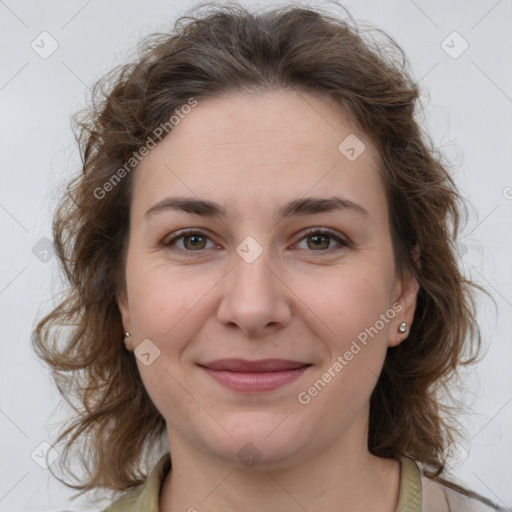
(352, 301)
(162, 310)
(358, 311)
(160, 298)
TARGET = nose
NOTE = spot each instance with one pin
(255, 298)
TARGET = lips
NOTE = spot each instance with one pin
(261, 366)
(254, 376)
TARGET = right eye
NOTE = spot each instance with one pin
(193, 241)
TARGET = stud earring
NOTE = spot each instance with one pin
(402, 327)
(127, 343)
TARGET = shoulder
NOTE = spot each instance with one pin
(439, 497)
(145, 497)
(125, 503)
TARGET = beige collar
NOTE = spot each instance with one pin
(409, 497)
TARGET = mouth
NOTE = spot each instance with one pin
(255, 376)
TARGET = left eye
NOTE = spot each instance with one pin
(319, 240)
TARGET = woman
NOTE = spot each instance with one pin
(264, 288)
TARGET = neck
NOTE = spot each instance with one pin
(343, 476)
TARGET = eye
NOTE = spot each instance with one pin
(319, 240)
(193, 241)
(196, 241)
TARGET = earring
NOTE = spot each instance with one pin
(402, 327)
(127, 343)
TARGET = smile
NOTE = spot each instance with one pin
(254, 376)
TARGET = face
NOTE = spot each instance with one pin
(271, 275)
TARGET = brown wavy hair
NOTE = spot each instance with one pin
(211, 51)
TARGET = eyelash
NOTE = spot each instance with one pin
(312, 231)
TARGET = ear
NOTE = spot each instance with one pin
(405, 294)
(122, 304)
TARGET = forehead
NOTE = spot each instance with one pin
(291, 121)
(276, 144)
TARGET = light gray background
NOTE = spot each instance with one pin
(468, 112)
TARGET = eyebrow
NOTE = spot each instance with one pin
(296, 207)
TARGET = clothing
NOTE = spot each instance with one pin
(417, 493)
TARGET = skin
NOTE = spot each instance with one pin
(252, 153)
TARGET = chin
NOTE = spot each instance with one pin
(261, 441)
